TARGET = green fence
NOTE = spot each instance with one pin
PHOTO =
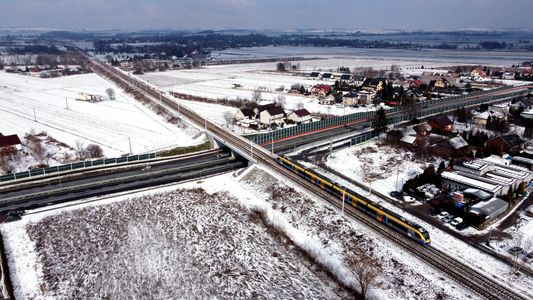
(76, 166)
(357, 117)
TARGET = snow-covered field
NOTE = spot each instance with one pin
(385, 168)
(426, 57)
(110, 124)
(218, 82)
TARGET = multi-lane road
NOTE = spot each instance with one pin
(114, 179)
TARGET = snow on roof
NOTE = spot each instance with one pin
(452, 176)
(409, 131)
(409, 139)
(475, 165)
(512, 173)
(478, 193)
(485, 115)
(248, 121)
(500, 179)
(458, 142)
(491, 208)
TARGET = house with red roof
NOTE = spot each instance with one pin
(321, 90)
(7, 141)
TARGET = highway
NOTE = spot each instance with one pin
(116, 179)
(484, 286)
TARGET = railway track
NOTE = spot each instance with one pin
(470, 278)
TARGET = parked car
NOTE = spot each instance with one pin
(408, 199)
(456, 221)
(516, 250)
(448, 218)
(442, 215)
(396, 194)
(462, 226)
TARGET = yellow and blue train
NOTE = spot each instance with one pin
(375, 211)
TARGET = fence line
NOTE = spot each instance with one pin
(76, 166)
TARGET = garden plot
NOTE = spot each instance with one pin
(28, 102)
(385, 168)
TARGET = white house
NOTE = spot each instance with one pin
(245, 113)
(300, 116)
(272, 115)
(328, 100)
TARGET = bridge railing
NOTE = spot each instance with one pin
(77, 166)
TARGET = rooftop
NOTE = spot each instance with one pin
(453, 176)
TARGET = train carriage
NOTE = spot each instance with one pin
(375, 211)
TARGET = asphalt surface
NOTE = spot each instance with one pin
(121, 179)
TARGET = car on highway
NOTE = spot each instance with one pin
(456, 221)
(442, 215)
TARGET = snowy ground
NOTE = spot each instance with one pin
(451, 245)
(110, 124)
(521, 234)
(216, 249)
(384, 167)
(29, 157)
(217, 82)
(410, 58)
(187, 243)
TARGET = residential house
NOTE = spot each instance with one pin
(328, 77)
(300, 116)
(315, 76)
(477, 73)
(441, 123)
(441, 83)
(358, 80)
(507, 143)
(245, 113)
(327, 100)
(366, 97)
(422, 129)
(10, 141)
(415, 84)
(350, 98)
(502, 108)
(481, 118)
(346, 78)
(272, 115)
(263, 105)
(321, 90)
(508, 75)
(524, 104)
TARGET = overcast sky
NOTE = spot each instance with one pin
(267, 14)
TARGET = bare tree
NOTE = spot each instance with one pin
(257, 95)
(80, 148)
(228, 117)
(300, 105)
(38, 150)
(520, 259)
(367, 270)
(281, 100)
(110, 93)
(5, 163)
(94, 150)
